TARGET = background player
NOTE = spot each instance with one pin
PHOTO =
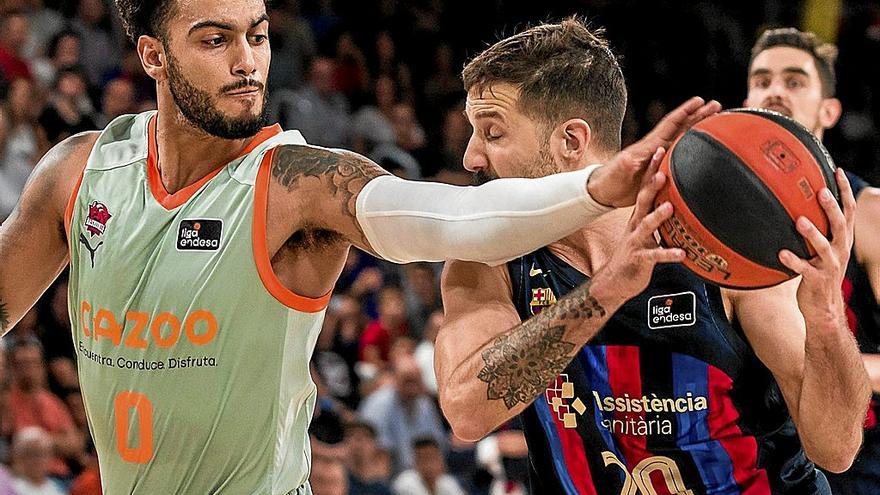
(792, 72)
(203, 250)
(661, 394)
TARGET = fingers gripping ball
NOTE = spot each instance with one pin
(738, 181)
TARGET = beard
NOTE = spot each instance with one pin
(541, 166)
(481, 177)
(199, 109)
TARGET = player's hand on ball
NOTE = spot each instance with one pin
(822, 275)
(617, 182)
(629, 270)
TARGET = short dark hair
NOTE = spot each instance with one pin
(354, 426)
(422, 442)
(563, 71)
(824, 54)
(52, 49)
(144, 17)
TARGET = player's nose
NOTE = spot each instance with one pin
(475, 155)
(245, 62)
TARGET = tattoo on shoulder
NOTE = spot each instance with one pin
(4, 317)
(345, 172)
(520, 364)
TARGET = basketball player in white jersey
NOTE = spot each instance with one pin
(203, 249)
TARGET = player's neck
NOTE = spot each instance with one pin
(187, 154)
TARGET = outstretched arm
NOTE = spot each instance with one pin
(799, 330)
(490, 367)
(33, 245)
(345, 193)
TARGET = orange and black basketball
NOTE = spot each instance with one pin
(738, 182)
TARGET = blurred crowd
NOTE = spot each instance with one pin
(379, 77)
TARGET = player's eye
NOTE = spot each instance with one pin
(492, 134)
(794, 83)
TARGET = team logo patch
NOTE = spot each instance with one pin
(96, 221)
(541, 298)
(202, 234)
(672, 310)
(95, 224)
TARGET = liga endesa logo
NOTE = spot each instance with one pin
(203, 234)
(672, 310)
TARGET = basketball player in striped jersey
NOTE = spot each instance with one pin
(203, 248)
(632, 375)
(792, 72)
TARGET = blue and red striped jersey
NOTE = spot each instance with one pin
(668, 398)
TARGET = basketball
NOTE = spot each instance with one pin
(738, 181)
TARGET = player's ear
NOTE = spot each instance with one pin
(829, 112)
(570, 140)
(152, 54)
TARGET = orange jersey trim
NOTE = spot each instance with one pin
(261, 250)
(71, 203)
(172, 201)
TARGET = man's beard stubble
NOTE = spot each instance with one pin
(542, 167)
(198, 108)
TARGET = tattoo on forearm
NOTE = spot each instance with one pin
(346, 173)
(4, 317)
(520, 364)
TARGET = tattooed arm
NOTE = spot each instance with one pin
(490, 366)
(33, 244)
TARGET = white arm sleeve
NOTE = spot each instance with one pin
(406, 221)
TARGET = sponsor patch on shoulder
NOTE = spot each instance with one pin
(202, 234)
(672, 310)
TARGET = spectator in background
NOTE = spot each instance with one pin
(63, 51)
(69, 110)
(443, 86)
(409, 132)
(31, 404)
(100, 50)
(44, 23)
(31, 462)
(24, 140)
(318, 110)
(10, 184)
(328, 476)
(369, 467)
(375, 344)
(371, 126)
(117, 99)
(351, 76)
(402, 412)
(293, 45)
(424, 352)
(455, 136)
(429, 477)
(14, 30)
(7, 482)
(422, 291)
(388, 64)
(88, 481)
(27, 141)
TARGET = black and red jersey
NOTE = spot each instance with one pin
(668, 398)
